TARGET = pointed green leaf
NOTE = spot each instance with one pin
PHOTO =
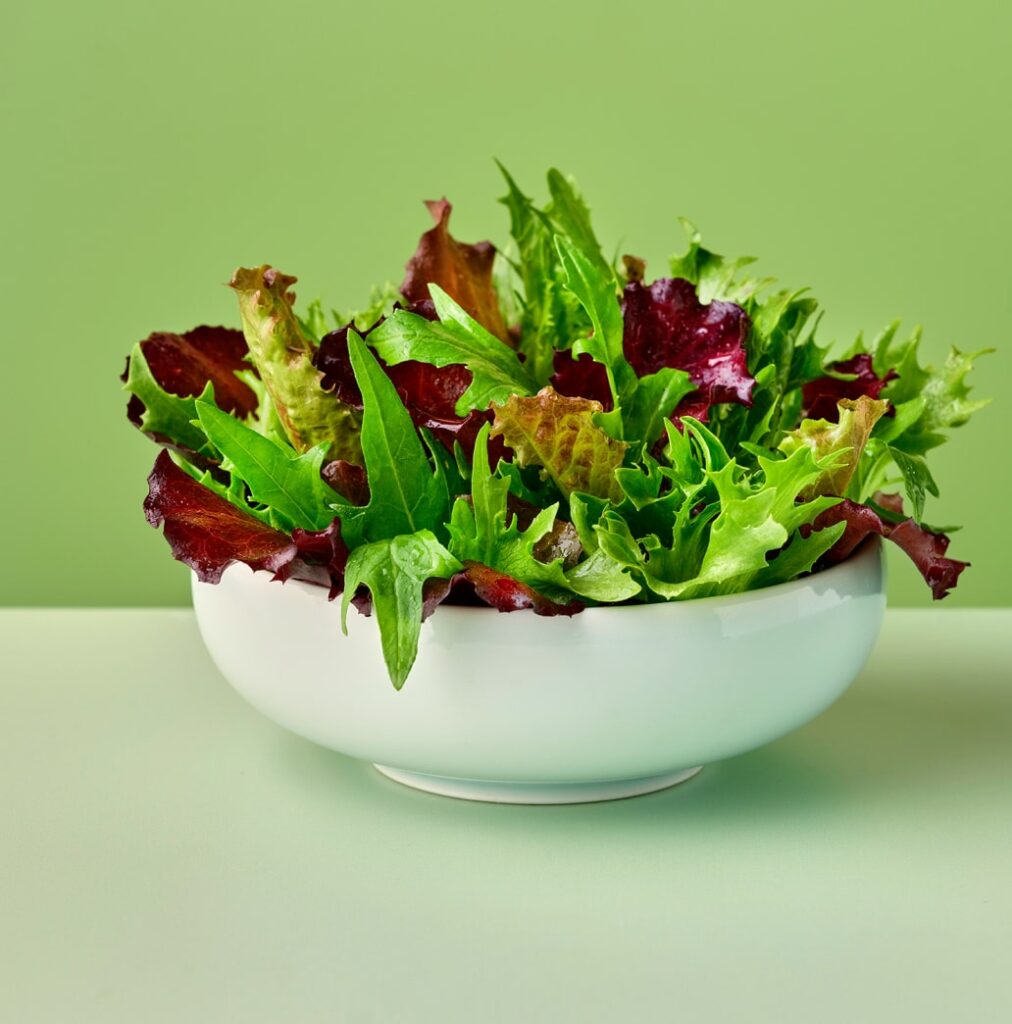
(406, 493)
(597, 292)
(917, 479)
(395, 570)
(289, 483)
(457, 338)
(572, 215)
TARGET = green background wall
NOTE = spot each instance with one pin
(147, 149)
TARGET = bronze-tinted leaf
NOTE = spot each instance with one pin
(558, 433)
(463, 271)
(284, 357)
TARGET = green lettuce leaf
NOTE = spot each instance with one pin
(571, 217)
(597, 292)
(287, 482)
(656, 500)
(265, 420)
(483, 530)
(457, 338)
(166, 415)
(395, 570)
(917, 479)
(723, 546)
(406, 492)
(549, 315)
(943, 395)
(799, 556)
(715, 276)
(654, 400)
(600, 578)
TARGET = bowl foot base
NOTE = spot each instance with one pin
(535, 792)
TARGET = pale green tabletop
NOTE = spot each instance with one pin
(168, 855)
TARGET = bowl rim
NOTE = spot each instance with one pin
(866, 553)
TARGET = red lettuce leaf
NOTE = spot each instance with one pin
(182, 364)
(429, 393)
(819, 397)
(924, 548)
(463, 271)
(696, 405)
(582, 377)
(321, 558)
(333, 361)
(506, 594)
(892, 503)
(348, 479)
(667, 325)
(862, 522)
(927, 551)
(478, 586)
(206, 532)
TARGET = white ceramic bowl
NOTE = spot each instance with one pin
(518, 708)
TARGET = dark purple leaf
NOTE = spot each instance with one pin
(334, 362)
(581, 377)
(348, 480)
(182, 364)
(695, 405)
(429, 393)
(820, 396)
(320, 559)
(927, 552)
(205, 531)
(861, 522)
(667, 325)
(924, 548)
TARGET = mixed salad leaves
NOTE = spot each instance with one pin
(536, 427)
